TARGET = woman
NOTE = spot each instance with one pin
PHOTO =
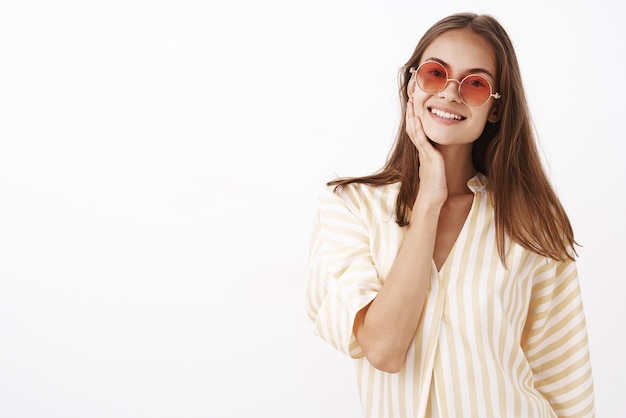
(449, 275)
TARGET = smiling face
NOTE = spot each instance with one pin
(445, 118)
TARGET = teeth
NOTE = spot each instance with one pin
(445, 115)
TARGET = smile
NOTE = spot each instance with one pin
(445, 115)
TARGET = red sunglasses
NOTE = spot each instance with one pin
(474, 90)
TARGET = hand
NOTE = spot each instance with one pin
(433, 187)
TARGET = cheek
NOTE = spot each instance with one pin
(419, 103)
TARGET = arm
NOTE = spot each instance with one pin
(555, 341)
(385, 328)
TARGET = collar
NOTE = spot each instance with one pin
(478, 182)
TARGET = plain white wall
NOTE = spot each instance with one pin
(159, 163)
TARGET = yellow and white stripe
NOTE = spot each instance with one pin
(492, 341)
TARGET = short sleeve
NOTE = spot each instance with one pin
(342, 277)
(555, 340)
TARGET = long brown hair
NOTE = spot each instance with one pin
(527, 209)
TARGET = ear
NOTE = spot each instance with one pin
(495, 114)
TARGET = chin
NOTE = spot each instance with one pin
(439, 138)
(447, 142)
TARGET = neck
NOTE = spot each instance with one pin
(459, 167)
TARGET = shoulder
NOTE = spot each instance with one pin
(358, 194)
(365, 201)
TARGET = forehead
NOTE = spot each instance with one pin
(461, 50)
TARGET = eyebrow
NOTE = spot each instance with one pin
(470, 71)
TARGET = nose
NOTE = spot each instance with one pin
(451, 91)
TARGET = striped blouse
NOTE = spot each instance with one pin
(492, 341)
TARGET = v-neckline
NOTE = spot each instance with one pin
(457, 239)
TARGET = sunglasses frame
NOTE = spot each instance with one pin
(414, 70)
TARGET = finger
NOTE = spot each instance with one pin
(417, 134)
(413, 125)
(409, 118)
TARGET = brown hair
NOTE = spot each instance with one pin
(526, 206)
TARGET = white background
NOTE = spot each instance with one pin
(159, 163)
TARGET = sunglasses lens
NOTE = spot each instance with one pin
(475, 90)
(431, 77)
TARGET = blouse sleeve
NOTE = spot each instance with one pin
(342, 277)
(555, 340)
